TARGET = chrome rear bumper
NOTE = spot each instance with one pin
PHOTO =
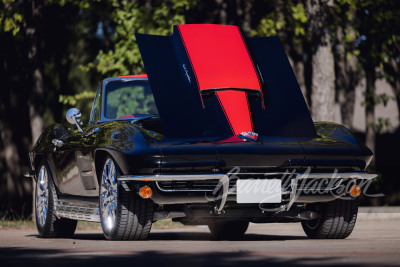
(199, 177)
(294, 189)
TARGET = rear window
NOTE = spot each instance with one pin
(127, 99)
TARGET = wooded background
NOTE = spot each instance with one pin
(54, 52)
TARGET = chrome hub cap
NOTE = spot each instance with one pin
(108, 196)
(42, 196)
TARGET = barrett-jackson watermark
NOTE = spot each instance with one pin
(332, 184)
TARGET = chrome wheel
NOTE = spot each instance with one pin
(109, 196)
(47, 221)
(42, 196)
(124, 215)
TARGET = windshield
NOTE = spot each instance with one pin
(129, 99)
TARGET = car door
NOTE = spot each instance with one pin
(84, 151)
(84, 154)
(65, 162)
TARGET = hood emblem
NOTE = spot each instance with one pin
(248, 136)
(186, 72)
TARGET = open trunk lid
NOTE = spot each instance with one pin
(209, 81)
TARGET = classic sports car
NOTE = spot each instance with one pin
(217, 133)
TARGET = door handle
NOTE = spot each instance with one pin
(57, 143)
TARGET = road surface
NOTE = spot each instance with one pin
(374, 242)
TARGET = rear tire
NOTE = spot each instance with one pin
(45, 202)
(228, 230)
(124, 215)
(337, 220)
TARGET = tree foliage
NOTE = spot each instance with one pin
(130, 17)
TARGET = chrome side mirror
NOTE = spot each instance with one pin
(74, 117)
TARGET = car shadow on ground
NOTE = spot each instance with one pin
(52, 257)
(189, 236)
(193, 236)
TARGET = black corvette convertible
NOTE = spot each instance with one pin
(217, 133)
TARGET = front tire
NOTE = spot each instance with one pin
(45, 207)
(124, 215)
(228, 230)
(337, 220)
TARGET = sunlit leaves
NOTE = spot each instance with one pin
(299, 19)
(380, 126)
(130, 17)
(10, 19)
(72, 99)
(292, 18)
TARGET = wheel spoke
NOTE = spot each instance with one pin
(109, 195)
(42, 196)
(41, 186)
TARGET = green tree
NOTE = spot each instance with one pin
(130, 17)
(378, 28)
(42, 46)
(347, 70)
(288, 20)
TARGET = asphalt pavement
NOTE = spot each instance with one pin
(374, 242)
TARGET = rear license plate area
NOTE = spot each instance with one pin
(259, 191)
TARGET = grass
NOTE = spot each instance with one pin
(17, 224)
(21, 224)
(167, 224)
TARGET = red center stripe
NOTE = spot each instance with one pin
(219, 56)
(236, 109)
(220, 60)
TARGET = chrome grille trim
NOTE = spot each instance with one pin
(193, 186)
(194, 177)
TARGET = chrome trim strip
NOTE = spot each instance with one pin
(260, 173)
(198, 177)
(183, 190)
(344, 175)
(169, 177)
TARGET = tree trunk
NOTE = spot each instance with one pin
(323, 71)
(15, 190)
(347, 75)
(246, 21)
(36, 106)
(222, 12)
(36, 100)
(14, 187)
(370, 76)
(295, 51)
(299, 70)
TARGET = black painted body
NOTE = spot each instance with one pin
(188, 138)
(136, 150)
